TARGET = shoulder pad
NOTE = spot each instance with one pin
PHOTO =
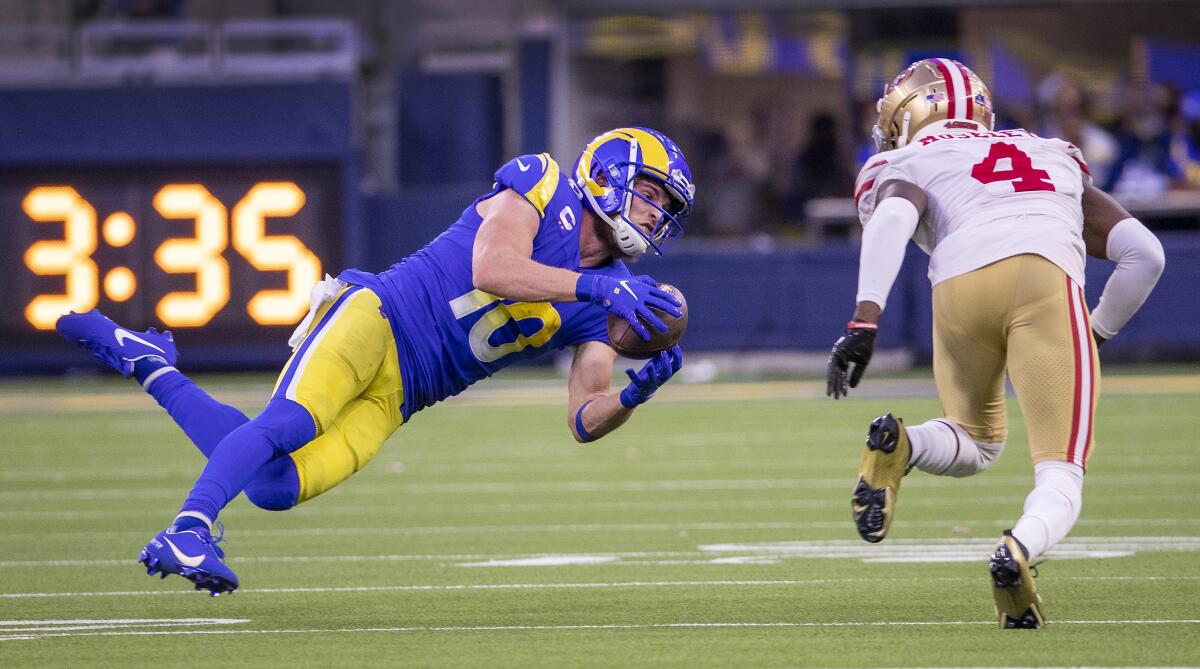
(534, 176)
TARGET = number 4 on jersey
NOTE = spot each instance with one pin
(1021, 172)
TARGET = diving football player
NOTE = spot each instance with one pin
(534, 265)
(1007, 218)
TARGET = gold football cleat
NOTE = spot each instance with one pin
(884, 463)
(1018, 605)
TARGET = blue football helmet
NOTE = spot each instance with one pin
(622, 155)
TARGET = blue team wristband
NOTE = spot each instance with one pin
(583, 287)
(583, 434)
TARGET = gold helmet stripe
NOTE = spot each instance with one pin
(583, 169)
(653, 152)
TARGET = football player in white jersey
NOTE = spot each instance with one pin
(1007, 218)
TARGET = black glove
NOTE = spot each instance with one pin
(854, 347)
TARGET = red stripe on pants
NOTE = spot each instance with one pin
(1078, 373)
(1090, 408)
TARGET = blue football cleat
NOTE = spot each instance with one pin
(194, 555)
(114, 345)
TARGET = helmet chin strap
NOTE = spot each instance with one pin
(902, 140)
(629, 239)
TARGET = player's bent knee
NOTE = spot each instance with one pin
(276, 486)
(975, 457)
(269, 498)
(287, 425)
(989, 453)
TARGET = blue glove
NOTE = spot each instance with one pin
(657, 371)
(631, 299)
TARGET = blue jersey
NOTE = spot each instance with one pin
(450, 334)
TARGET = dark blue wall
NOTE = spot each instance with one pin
(740, 300)
(250, 123)
(1143, 338)
(534, 58)
(1169, 322)
(401, 224)
(451, 127)
(801, 298)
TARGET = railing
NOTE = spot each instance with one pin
(35, 53)
(104, 52)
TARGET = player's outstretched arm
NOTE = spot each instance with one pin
(502, 264)
(885, 235)
(592, 410)
(1109, 231)
(501, 260)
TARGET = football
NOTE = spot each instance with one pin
(630, 344)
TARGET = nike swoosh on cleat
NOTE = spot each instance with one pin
(184, 559)
(121, 335)
(523, 166)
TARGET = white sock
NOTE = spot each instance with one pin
(196, 515)
(1052, 508)
(156, 375)
(942, 447)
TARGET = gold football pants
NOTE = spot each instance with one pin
(1022, 315)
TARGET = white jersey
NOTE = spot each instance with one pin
(991, 195)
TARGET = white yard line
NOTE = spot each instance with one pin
(358, 558)
(441, 587)
(333, 510)
(26, 626)
(531, 465)
(836, 548)
(658, 485)
(127, 621)
(402, 509)
(549, 586)
(559, 528)
(610, 626)
(553, 393)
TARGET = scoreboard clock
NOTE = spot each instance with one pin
(220, 255)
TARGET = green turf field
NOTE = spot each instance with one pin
(713, 530)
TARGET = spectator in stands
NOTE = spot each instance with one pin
(708, 148)
(820, 169)
(740, 167)
(1144, 168)
(1066, 114)
(1185, 139)
(864, 147)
